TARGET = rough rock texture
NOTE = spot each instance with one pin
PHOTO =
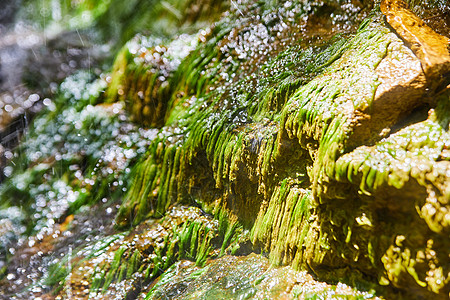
(312, 133)
(430, 47)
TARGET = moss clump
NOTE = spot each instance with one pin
(321, 113)
(59, 273)
(281, 141)
(131, 261)
(406, 173)
(229, 152)
(287, 224)
(142, 76)
(219, 110)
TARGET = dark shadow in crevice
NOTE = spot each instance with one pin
(418, 114)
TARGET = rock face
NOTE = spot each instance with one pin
(431, 48)
(313, 133)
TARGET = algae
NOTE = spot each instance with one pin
(280, 129)
(127, 265)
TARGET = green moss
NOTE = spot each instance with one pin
(315, 113)
(260, 127)
(59, 272)
(388, 163)
(114, 267)
(195, 243)
(213, 133)
(142, 76)
(182, 234)
(218, 117)
(283, 226)
(405, 172)
(230, 232)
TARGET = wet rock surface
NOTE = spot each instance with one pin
(244, 277)
(430, 47)
(34, 256)
(285, 146)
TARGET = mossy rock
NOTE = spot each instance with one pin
(352, 102)
(315, 145)
(245, 277)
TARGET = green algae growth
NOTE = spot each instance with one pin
(280, 130)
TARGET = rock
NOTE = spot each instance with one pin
(430, 47)
(250, 277)
(309, 132)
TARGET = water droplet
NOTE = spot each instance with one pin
(11, 276)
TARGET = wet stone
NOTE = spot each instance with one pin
(310, 132)
(247, 277)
